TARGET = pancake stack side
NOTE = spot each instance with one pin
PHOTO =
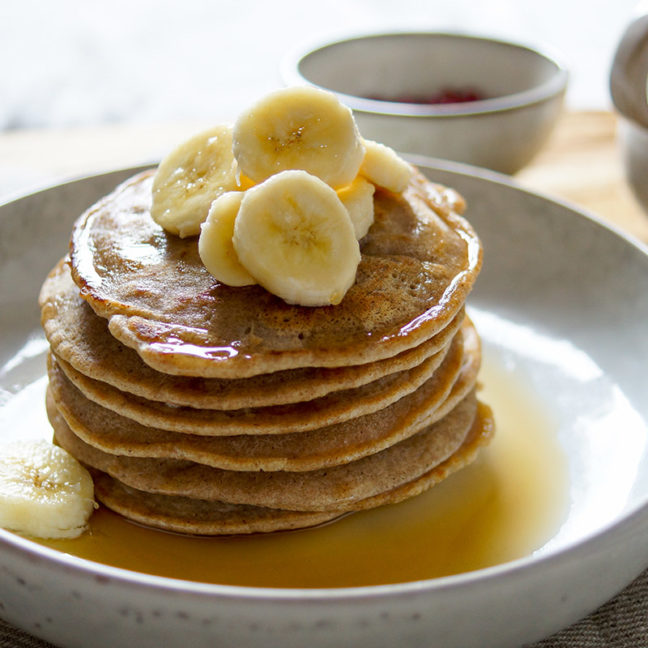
(207, 409)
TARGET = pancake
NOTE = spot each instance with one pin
(81, 338)
(336, 488)
(334, 445)
(199, 517)
(419, 262)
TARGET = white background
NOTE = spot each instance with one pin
(81, 63)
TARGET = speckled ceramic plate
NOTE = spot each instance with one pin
(562, 299)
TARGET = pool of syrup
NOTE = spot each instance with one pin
(506, 505)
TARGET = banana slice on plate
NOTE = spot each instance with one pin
(191, 177)
(358, 200)
(295, 237)
(215, 245)
(384, 167)
(299, 128)
(44, 491)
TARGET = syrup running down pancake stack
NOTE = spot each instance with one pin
(206, 408)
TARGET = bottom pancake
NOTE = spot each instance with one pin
(198, 517)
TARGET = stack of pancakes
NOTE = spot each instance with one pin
(208, 409)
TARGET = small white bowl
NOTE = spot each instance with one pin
(522, 91)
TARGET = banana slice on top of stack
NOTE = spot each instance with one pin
(281, 199)
(268, 330)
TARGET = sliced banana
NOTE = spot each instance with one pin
(44, 491)
(295, 237)
(215, 245)
(191, 177)
(384, 167)
(299, 128)
(358, 200)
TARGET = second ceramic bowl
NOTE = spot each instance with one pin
(629, 90)
(395, 82)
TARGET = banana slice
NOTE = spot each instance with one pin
(191, 177)
(384, 167)
(44, 491)
(215, 243)
(358, 200)
(299, 128)
(295, 237)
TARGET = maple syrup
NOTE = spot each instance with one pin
(504, 506)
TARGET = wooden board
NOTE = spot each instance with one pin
(581, 163)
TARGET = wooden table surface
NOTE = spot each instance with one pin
(581, 163)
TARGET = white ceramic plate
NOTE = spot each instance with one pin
(562, 299)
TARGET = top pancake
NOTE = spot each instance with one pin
(419, 262)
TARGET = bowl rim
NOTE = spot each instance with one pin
(593, 541)
(553, 87)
